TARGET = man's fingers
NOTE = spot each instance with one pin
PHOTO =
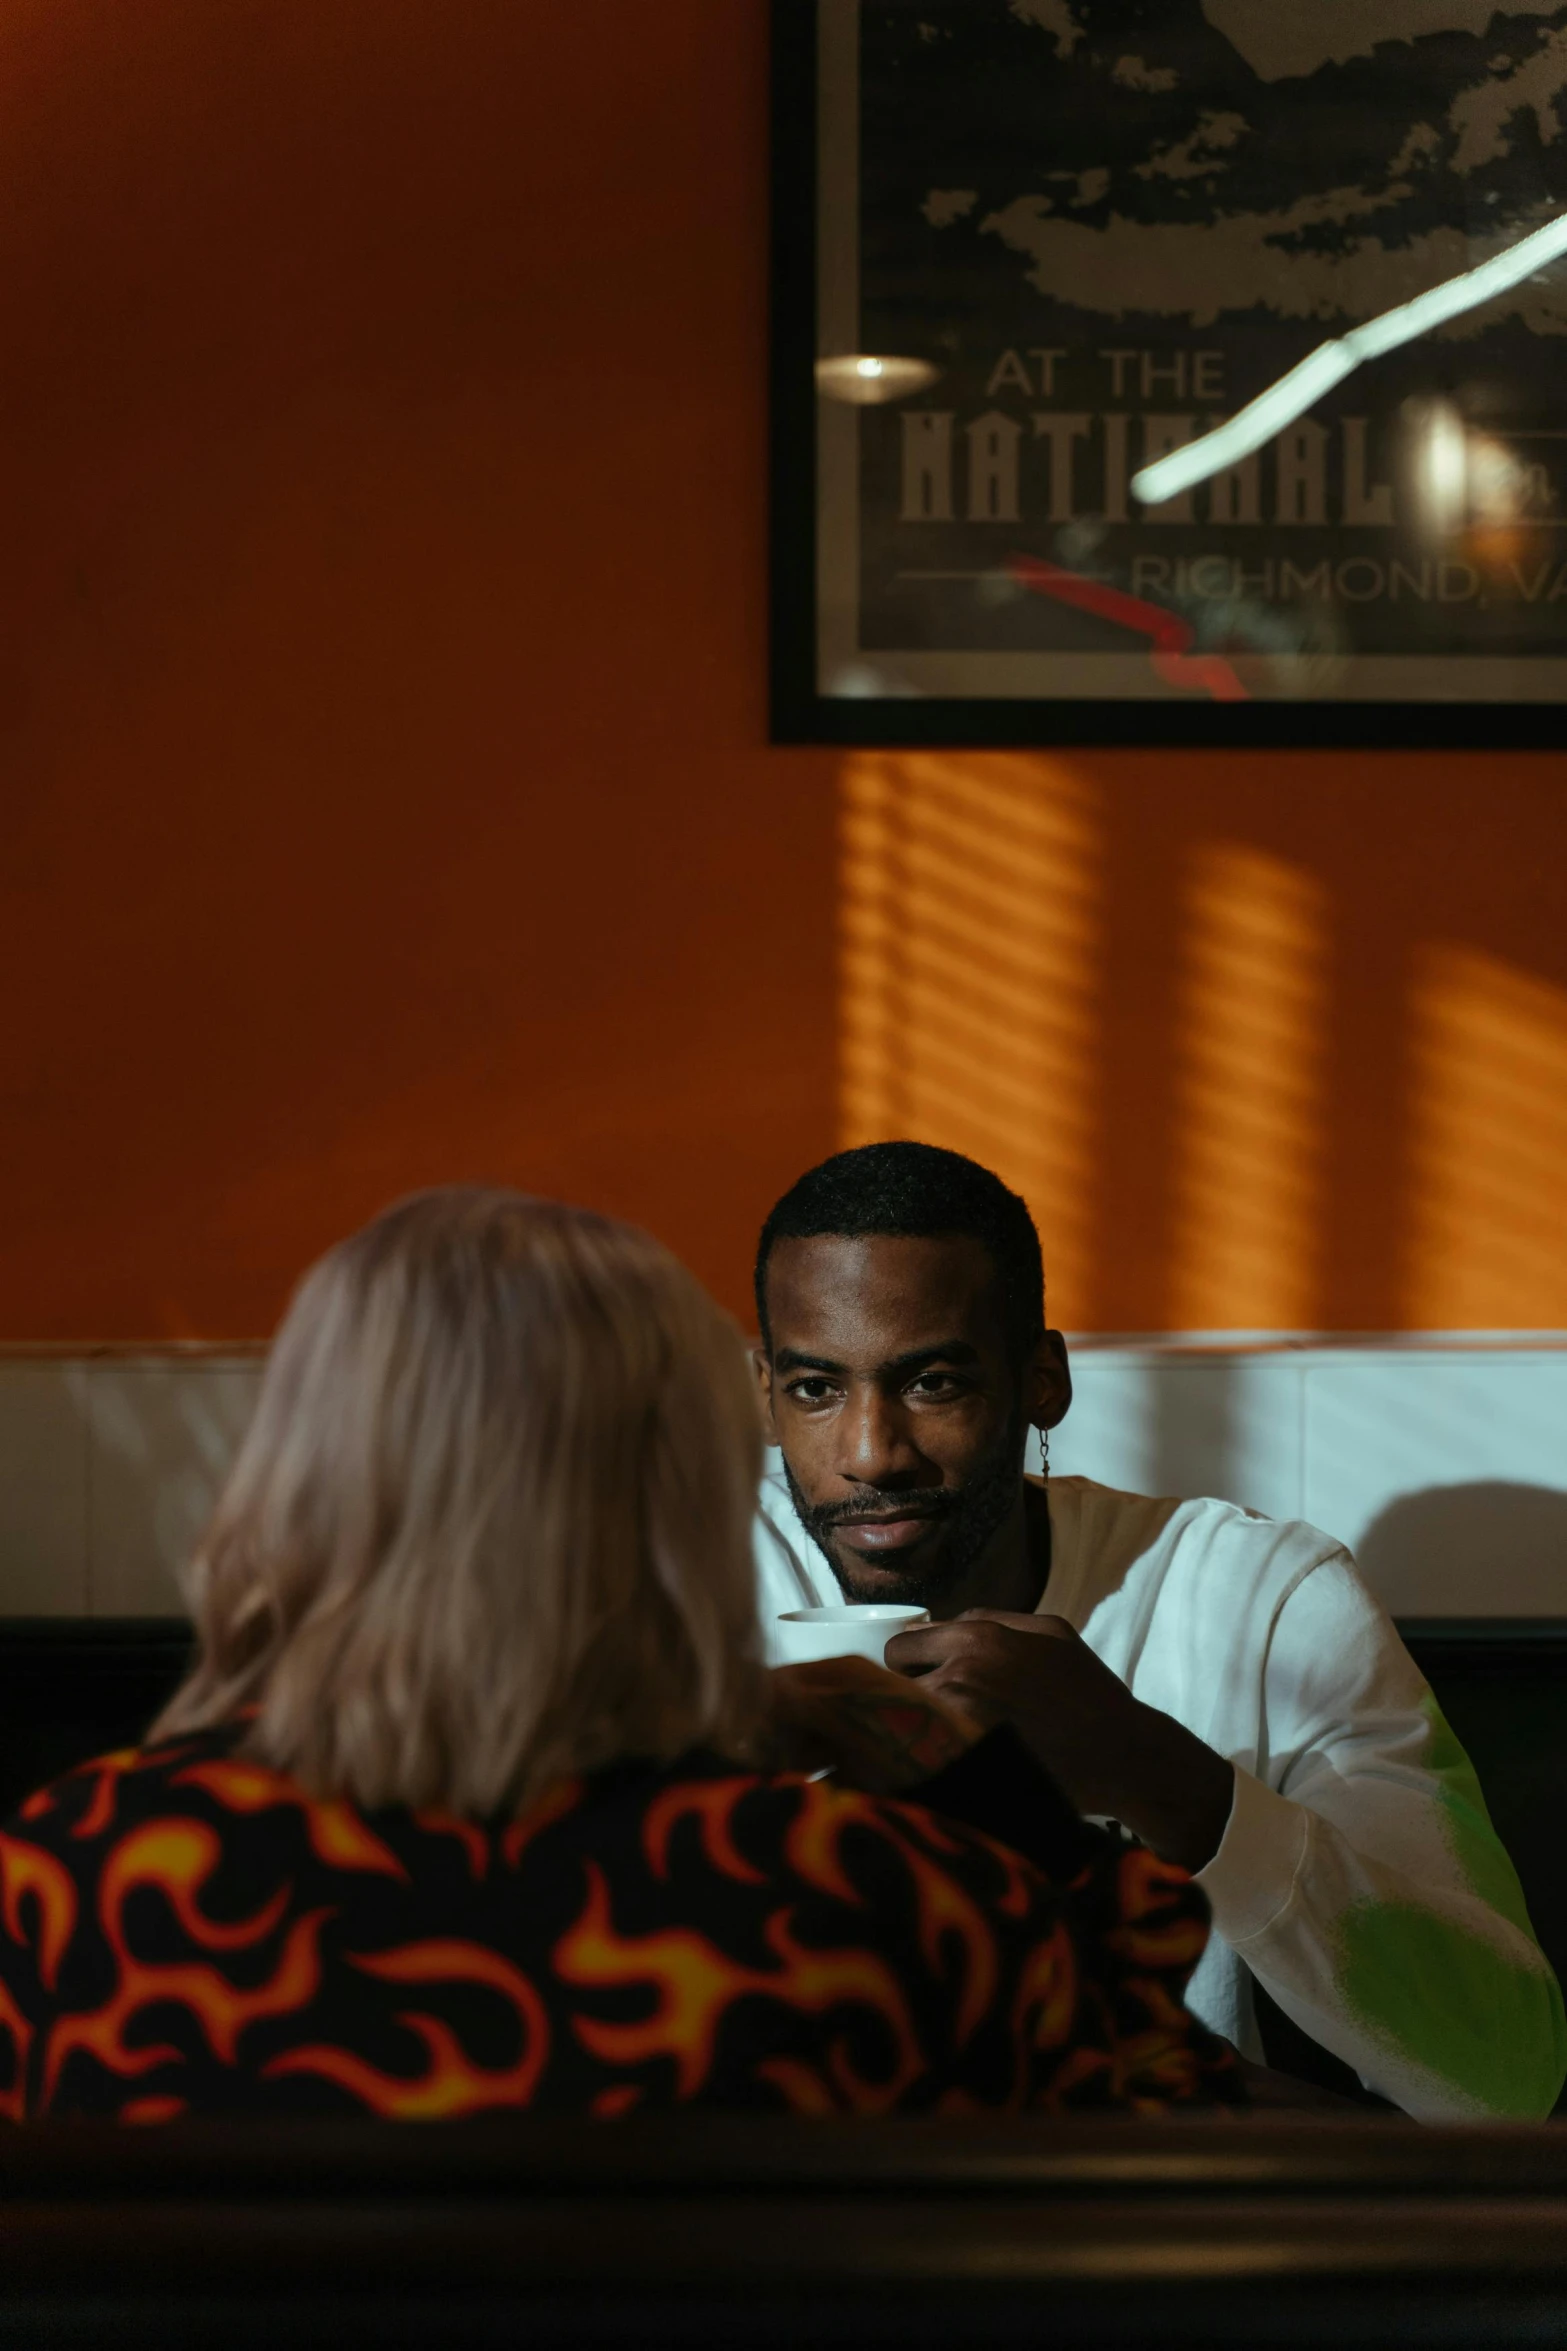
(1054, 1628)
(924, 1646)
(961, 1693)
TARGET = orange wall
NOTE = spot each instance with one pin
(382, 741)
(1271, 1043)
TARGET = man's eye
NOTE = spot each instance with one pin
(813, 1391)
(935, 1383)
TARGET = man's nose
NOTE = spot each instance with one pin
(879, 1448)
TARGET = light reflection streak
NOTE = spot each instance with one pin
(1284, 402)
(1249, 1136)
(1489, 1159)
(969, 976)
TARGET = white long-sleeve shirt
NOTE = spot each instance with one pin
(1359, 1877)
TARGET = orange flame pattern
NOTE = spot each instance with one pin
(176, 1858)
(552, 1806)
(13, 2099)
(712, 1802)
(27, 1871)
(695, 1986)
(451, 2083)
(943, 1906)
(103, 1774)
(336, 1831)
(186, 1930)
(470, 1836)
(1160, 1928)
(100, 1809)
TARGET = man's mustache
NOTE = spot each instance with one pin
(842, 1514)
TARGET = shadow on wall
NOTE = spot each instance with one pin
(1439, 1553)
(1268, 1044)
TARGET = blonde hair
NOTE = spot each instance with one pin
(490, 1525)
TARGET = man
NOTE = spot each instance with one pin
(1221, 1684)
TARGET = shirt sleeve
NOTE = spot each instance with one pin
(1361, 1881)
(1138, 1926)
(1071, 1995)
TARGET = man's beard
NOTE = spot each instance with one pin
(969, 1514)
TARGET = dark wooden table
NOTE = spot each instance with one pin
(728, 2233)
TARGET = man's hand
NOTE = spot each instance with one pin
(1110, 1754)
(872, 1728)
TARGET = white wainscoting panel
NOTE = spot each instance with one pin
(43, 1490)
(109, 1464)
(1443, 1466)
(162, 1436)
(1156, 1422)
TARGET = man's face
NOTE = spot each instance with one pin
(900, 1407)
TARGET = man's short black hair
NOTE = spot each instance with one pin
(919, 1190)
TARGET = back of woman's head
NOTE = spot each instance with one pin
(490, 1524)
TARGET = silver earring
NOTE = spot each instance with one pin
(1044, 1449)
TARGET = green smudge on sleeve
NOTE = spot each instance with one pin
(1443, 1993)
(1474, 1843)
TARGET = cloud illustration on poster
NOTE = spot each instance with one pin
(1201, 155)
(1135, 73)
(1280, 39)
(1319, 186)
(945, 205)
(1486, 117)
(1052, 16)
(1199, 271)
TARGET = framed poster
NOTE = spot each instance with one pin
(1024, 249)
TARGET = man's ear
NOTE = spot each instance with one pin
(763, 1369)
(1047, 1385)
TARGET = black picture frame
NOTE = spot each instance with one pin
(801, 712)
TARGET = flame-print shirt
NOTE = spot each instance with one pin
(184, 1930)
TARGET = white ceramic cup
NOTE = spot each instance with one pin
(806, 1634)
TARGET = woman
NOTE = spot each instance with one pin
(467, 1802)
